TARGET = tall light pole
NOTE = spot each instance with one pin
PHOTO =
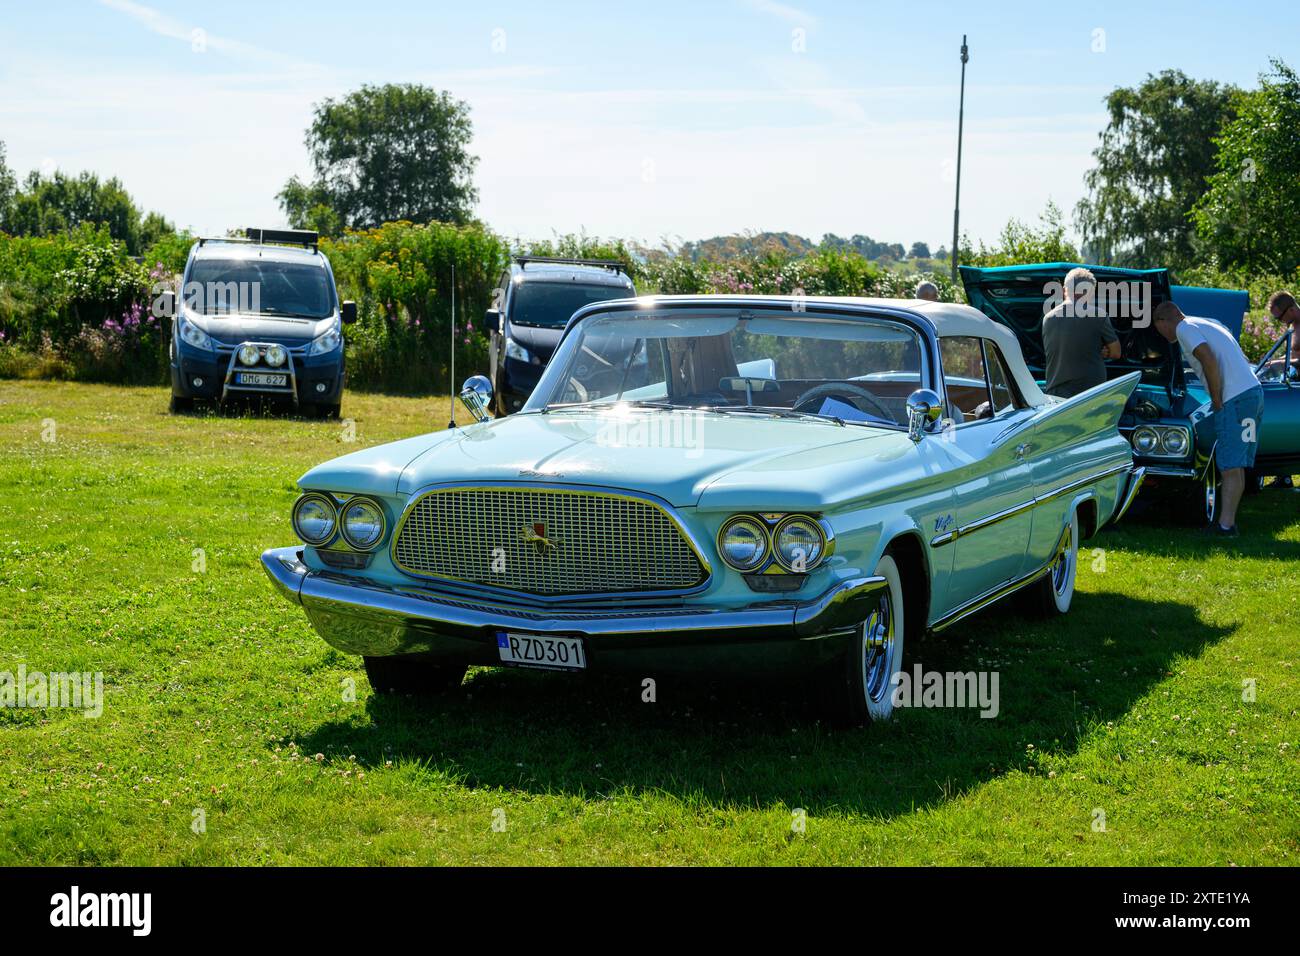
(961, 115)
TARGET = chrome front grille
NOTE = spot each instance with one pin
(546, 541)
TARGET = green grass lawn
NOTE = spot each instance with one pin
(220, 698)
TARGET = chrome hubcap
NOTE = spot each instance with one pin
(1061, 569)
(878, 649)
(1210, 493)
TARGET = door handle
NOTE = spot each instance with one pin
(1023, 449)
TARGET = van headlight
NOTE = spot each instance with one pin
(517, 352)
(362, 523)
(276, 355)
(315, 518)
(192, 335)
(326, 343)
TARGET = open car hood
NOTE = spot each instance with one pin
(1014, 296)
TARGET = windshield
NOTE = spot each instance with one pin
(844, 371)
(1274, 367)
(551, 304)
(291, 289)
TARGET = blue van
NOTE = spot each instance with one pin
(258, 316)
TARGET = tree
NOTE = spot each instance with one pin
(384, 154)
(61, 202)
(8, 186)
(920, 250)
(1250, 216)
(1154, 157)
(864, 246)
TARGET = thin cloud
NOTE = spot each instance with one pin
(782, 11)
(165, 26)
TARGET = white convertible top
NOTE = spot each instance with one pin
(946, 318)
(951, 319)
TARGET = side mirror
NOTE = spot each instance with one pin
(492, 319)
(924, 408)
(476, 394)
(348, 312)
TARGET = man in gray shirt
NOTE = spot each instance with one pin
(1078, 338)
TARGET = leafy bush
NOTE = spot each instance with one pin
(1259, 330)
(73, 305)
(400, 276)
(169, 253)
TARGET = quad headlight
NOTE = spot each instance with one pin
(362, 523)
(1145, 440)
(799, 543)
(743, 543)
(1174, 441)
(1161, 441)
(315, 518)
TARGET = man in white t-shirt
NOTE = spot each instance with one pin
(1235, 394)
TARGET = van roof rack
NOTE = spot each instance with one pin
(613, 264)
(282, 237)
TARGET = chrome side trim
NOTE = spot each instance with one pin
(998, 592)
(1134, 484)
(1162, 471)
(948, 537)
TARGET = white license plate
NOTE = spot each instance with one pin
(540, 650)
(262, 379)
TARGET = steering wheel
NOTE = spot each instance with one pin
(842, 390)
(576, 389)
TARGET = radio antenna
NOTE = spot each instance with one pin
(451, 386)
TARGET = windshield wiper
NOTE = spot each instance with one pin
(289, 315)
(635, 402)
(777, 411)
(648, 403)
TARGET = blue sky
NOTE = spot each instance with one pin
(647, 120)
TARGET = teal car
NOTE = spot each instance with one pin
(791, 485)
(1167, 419)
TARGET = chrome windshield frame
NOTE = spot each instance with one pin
(929, 373)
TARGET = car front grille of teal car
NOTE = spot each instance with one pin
(549, 541)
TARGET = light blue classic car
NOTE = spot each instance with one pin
(706, 482)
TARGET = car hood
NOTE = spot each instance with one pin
(536, 339)
(678, 456)
(1014, 296)
(234, 329)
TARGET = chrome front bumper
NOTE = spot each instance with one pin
(365, 617)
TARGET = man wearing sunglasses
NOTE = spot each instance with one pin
(1282, 306)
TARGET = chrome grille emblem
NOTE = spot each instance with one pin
(536, 534)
